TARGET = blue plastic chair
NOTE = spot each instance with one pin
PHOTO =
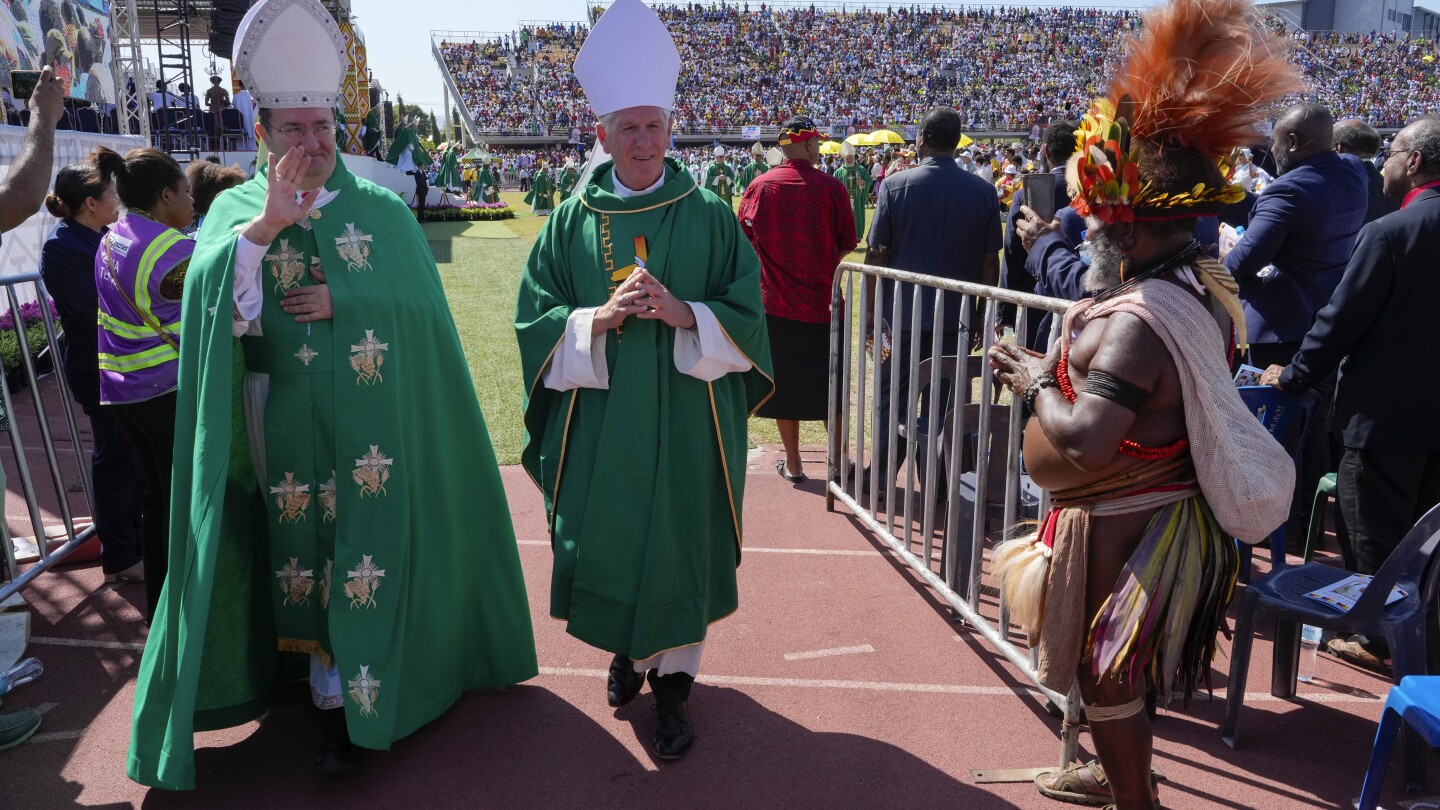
(1402, 624)
(1415, 702)
(1277, 411)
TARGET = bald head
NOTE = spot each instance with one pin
(1414, 157)
(1354, 136)
(1303, 131)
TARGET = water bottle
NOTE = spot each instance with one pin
(1084, 249)
(1309, 644)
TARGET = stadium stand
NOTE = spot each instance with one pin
(1004, 69)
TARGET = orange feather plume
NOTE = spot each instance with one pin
(1201, 74)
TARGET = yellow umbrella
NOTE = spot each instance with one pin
(830, 148)
(881, 136)
(858, 139)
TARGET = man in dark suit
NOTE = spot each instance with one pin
(1291, 258)
(1056, 148)
(937, 220)
(1380, 319)
(1357, 142)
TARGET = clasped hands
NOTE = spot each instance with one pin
(285, 205)
(643, 296)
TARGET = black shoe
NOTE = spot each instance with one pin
(624, 682)
(338, 756)
(673, 732)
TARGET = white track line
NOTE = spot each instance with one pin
(802, 656)
(136, 646)
(823, 552)
(928, 688)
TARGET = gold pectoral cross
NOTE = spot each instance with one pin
(642, 255)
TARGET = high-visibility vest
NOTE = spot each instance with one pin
(139, 273)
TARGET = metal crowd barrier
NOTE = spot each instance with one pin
(951, 436)
(15, 579)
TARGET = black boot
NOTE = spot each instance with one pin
(337, 754)
(673, 733)
(624, 683)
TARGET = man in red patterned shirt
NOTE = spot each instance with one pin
(800, 222)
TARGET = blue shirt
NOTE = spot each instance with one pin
(939, 220)
(1305, 224)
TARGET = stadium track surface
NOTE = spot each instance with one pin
(792, 709)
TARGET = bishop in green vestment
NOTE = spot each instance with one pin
(352, 508)
(407, 144)
(449, 174)
(752, 170)
(857, 184)
(720, 178)
(568, 180)
(541, 196)
(635, 413)
(371, 139)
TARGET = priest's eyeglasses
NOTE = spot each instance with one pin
(320, 131)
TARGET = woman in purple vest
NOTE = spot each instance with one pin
(86, 203)
(139, 275)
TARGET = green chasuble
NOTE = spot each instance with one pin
(644, 481)
(568, 179)
(857, 185)
(542, 192)
(449, 175)
(380, 537)
(752, 170)
(372, 132)
(405, 138)
(720, 180)
(484, 189)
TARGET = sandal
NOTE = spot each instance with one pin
(794, 479)
(1084, 783)
(1355, 653)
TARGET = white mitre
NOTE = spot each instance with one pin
(628, 60)
(289, 54)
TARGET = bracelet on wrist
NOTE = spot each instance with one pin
(1046, 380)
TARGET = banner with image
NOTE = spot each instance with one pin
(72, 37)
(750, 133)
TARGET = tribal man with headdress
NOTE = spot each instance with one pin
(1153, 461)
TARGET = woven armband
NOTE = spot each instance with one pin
(1126, 394)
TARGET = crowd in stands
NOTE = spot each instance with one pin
(1004, 69)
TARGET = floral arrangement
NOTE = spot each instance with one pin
(470, 211)
(32, 319)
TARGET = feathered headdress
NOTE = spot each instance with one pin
(1197, 79)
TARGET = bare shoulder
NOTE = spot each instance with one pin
(1123, 345)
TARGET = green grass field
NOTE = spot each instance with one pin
(480, 264)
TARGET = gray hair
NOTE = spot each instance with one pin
(608, 118)
(1424, 137)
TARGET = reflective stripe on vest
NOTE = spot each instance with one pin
(123, 363)
(130, 331)
(152, 254)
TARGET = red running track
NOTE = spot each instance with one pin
(840, 683)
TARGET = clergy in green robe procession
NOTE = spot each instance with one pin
(643, 342)
(337, 510)
(407, 155)
(753, 169)
(857, 184)
(370, 135)
(568, 179)
(719, 177)
(449, 174)
(541, 196)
